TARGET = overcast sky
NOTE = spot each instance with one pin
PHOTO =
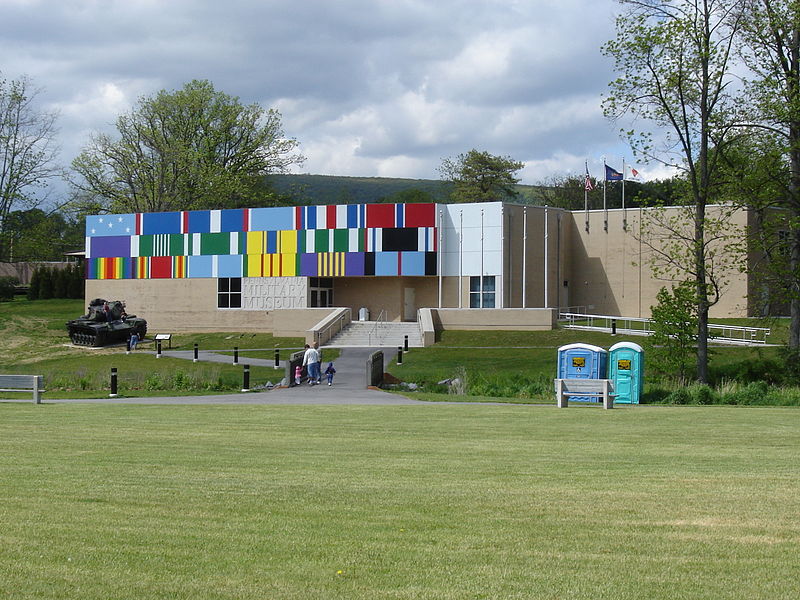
(368, 87)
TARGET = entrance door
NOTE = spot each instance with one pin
(623, 379)
(409, 304)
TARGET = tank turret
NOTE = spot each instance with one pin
(105, 322)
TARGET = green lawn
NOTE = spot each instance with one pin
(34, 341)
(424, 502)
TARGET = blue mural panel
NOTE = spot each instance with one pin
(201, 266)
(199, 221)
(412, 263)
(354, 264)
(110, 225)
(232, 220)
(229, 266)
(109, 246)
(272, 242)
(311, 217)
(272, 219)
(154, 223)
(386, 263)
(308, 265)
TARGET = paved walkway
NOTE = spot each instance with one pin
(349, 385)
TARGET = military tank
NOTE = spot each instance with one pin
(99, 327)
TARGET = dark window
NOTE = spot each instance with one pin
(400, 239)
(482, 298)
(229, 292)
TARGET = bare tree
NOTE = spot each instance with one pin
(27, 149)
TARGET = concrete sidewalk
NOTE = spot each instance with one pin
(349, 385)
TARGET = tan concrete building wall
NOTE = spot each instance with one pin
(530, 319)
(386, 293)
(533, 218)
(175, 305)
(610, 271)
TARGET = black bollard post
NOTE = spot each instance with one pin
(277, 358)
(196, 353)
(113, 393)
(399, 355)
(246, 378)
(158, 348)
(613, 327)
(236, 355)
(128, 346)
(405, 344)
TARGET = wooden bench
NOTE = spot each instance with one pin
(595, 388)
(23, 383)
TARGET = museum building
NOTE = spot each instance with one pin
(280, 268)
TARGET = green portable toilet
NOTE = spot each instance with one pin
(626, 371)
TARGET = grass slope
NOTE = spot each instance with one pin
(34, 341)
(426, 502)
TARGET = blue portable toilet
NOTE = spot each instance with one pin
(626, 370)
(582, 361)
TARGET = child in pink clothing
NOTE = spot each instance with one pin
(298, 374)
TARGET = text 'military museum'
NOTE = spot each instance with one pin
(227, 269)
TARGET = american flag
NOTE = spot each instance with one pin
(588, 182)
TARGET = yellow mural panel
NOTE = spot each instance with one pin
(255, 242)
(254, 267)
(288, 242)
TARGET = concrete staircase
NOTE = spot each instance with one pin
(374, 335)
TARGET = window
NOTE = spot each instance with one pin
(481, 298)
(321, 291)
(229, 292)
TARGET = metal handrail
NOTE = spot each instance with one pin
(348, 314)
(733, 334)
(376, 328)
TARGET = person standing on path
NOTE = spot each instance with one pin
(311, 362)
(319, 362)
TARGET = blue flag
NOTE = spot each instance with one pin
(612, 174)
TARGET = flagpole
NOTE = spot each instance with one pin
(546, 259)
(605, 207)
(524, 255)
(624, 214)
(586, 196)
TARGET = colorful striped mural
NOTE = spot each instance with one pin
(326, 241)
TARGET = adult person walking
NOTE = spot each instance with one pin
(319, 362)
(311, 362)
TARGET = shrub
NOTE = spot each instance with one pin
(7, 288)
(756, 392)
(702, 394)
(181, 381)
(679, 396)
(154, 382)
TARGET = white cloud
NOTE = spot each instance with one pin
(368, 87)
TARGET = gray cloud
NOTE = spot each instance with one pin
(368, 87)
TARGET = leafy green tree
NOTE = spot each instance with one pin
(480, 176)
(770, 48)
(46, 287)
(36, 235)
(674, 325)
(675, 63)
(187, 149)
(7, 285)
(76, 282)
(27, 149)
(408, 196)
(35, 283)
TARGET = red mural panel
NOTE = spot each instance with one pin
(380, 215)
(420, 215)
(161, 267)
(330, 217)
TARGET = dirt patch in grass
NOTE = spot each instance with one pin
(24, 341)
